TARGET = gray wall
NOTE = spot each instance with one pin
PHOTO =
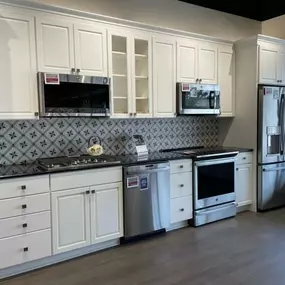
(170, 14)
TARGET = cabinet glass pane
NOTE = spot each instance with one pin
(120, 75)
(141, 76)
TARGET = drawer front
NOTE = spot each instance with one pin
(24, 224)
(24, 205)
(78, 179)
(181, 184)
(179, 166)
(24, 248)
(244, 158)
(24, 186)
(181, 209)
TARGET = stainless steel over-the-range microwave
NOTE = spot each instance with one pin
(73, 95)
(198, 99)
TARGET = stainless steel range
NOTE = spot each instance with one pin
(76, 162)
(213, 183)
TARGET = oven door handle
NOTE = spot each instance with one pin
(199, 213)
(214, 161)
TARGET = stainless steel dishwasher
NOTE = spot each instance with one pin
(146, 199)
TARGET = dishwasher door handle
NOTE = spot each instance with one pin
(148, 171)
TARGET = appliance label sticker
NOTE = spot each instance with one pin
(276, 94)
(51, 79)
(185, 87)
(133, 182)
(144, 183)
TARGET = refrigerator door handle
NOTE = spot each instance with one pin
(273, 169)
(281, 118)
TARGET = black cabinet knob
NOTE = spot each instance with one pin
(182, 185)
(23, 187)
(25, 225)
(181, 166)
(24, 206)
(26, 249)
(182, 210)
(87, 192)
(93, 191)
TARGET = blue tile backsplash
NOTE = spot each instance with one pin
(22, 142)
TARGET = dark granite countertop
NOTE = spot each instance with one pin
(14, 171)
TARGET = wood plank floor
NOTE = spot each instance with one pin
(249, 249)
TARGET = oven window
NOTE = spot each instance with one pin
(215, 180)
(76, 97)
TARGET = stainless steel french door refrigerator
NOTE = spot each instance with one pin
(271, 147)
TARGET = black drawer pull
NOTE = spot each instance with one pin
(244, 158)
(182, 210)
(181, 166)
(25, 225)
(93, 191)
(26, 249)
(23, 187)
(182, 185)
(24, 206)
(87, 192)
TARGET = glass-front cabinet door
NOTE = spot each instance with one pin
(130, 72)
(120, 73)
(142, 95)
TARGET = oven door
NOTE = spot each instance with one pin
(214, 182)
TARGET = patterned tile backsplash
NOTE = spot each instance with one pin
(22, 142)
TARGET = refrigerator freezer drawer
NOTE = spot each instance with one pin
(271, 186)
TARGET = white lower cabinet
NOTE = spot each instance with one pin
(244, 178)
(181, 202)
(70, 219)
(85, 216)
(23, 248)
(106, 209)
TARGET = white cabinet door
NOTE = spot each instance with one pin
(226, 80)
(164, 76)
(142, 75)
(55, 45)
(70, 219)
(244, 184)
(119, 60)
(18, 73)
(187, 61)
(268, 63)
(90, 50)
(207, 63)
(106, 212)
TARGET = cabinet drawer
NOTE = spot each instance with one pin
(181, 209)
(78, 179)
(181, 184)
(24, 186)
(24, 205)
(183, 165)
(24, 224)
(24, 248)
(244, 158)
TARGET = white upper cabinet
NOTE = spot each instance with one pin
(270, 65)
(197, 62)
(67, 47)
(55, 45)
(70, 219)
(164, 79)
(207, 63)
(90, 50)
(226, 68)
(18, 73)
(130, 70)
(106, 212)
(187, 61)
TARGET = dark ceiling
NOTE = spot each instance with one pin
(257, 10)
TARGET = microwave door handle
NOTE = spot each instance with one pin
(281, 119)
(212, 99)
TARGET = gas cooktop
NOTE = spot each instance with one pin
(203, 152)
(75, 162)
